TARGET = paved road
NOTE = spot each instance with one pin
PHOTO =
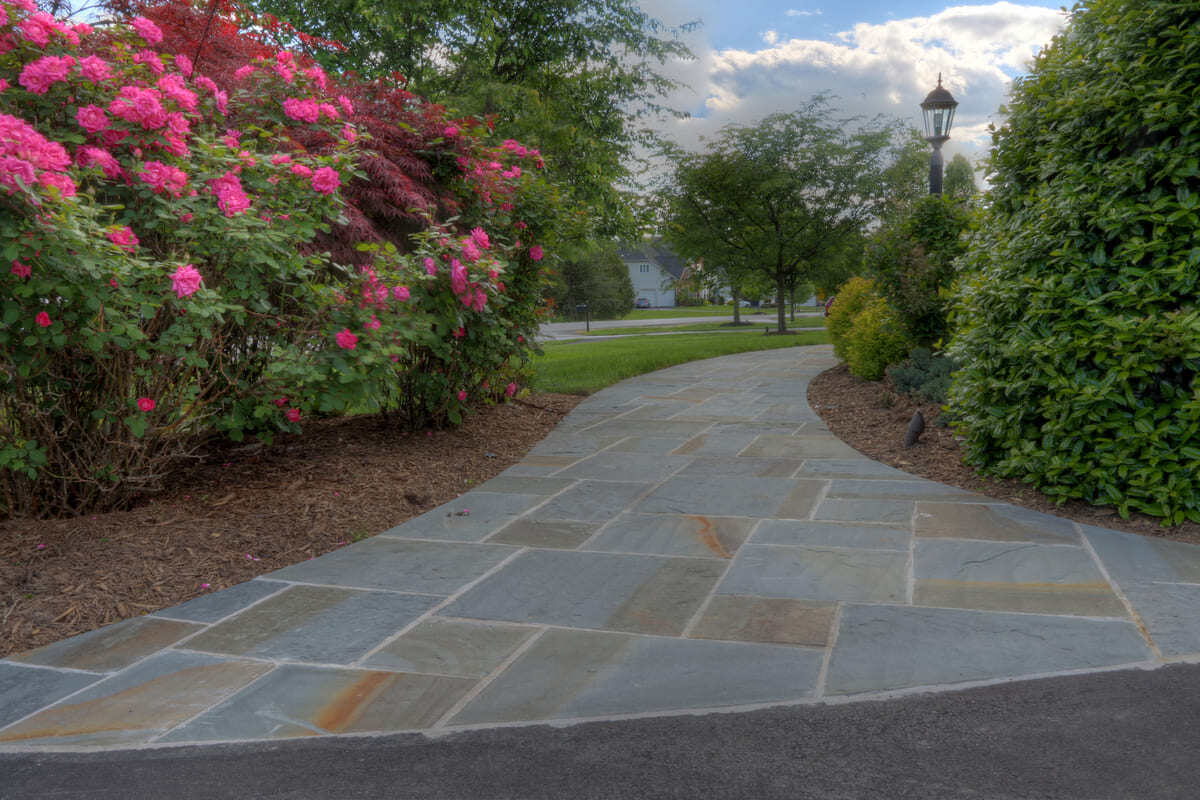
(562, 331)
(1129, 735)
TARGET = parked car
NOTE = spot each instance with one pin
(641, 303)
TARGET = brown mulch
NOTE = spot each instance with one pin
(242, 512)
(872, 418)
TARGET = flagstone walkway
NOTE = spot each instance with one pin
(687, 540)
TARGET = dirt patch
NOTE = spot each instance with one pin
(242, 512)
(872, 418)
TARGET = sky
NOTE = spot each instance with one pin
(757, 57)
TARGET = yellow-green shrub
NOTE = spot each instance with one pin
(876, 339)
(852, 297)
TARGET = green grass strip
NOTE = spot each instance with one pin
(583, 367)
(700, 311)
(747, 324)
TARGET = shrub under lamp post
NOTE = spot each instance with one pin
(938, 110)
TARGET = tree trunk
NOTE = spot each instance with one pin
(737, 305)
(781, 304)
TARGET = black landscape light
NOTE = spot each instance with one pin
(938, 109)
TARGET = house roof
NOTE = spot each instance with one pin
(656, 252)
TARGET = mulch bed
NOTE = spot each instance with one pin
(242, 512)
(872, 418)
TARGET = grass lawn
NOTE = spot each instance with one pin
(753, 323)
(582, 367)
(698, 311)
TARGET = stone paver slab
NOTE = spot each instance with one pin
(399, 565)
(746, 467)
(138, 704)
(215, 606)
(862, 468)
(24, 690)
(875, 489)
(775, 446)
(657, 445)
(830, 534)
(641, 594)
(993, 521)
(318, 624)
(1171, 614)
(575, 445)
(1007, 562)
(1088, 600)
(765, 619)
(112, 647)
(469, 518)
(666, 534)
(552, 533)
(731, 497)
(825, 574)
(616, 429)
(890, 512)
(608, 466)
(570, 674)
(592, 501)
(451, 647)
(525, 484)
(896, 647)
(1130, 558)
(309, 701)
(801, 501)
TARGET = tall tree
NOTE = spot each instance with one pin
(573, 78)
(777, 198)
(960, 179)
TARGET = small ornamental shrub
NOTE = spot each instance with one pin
(923, 376)
(851, 298)
(1079, 324)
(875, 340)
(913, 262)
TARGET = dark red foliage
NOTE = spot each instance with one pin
(409, 165)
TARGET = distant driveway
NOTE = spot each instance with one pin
(560, 331)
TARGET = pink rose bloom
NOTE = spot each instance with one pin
(37, 28)
(231, 198)
(82, 29)
(178, 123)
(450, 132)
(460, 332)
(400, 292)
(458, 276)
(328, 111)
(38, 76)
(280, 158)
(480, 237)
(302, 110)
(91, 118)
(134, 104)
(185, 281)
(175, 146)
(183, 64)
(302, 171)
(94, 69)
(43, 319)
(164, 178)
(241, 73)
(222, 99)
(145, 404)
(284, 71)
(346, 340)
(3, 84)
(346, 105)
(174, 87)
(430, 266)
(206, 83)
(146, 29)
(462, 396)
(281, 401)
(123, 238)
(21, 270)
(317, 75)
(536, 253)
(372, 324)
(64, 184)
(469, 251)
(349, 134)
(510, 390)
(151, 60)
(293, 415)
(480, 300)
(326, 180)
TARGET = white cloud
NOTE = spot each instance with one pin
(792, 12)
(873, 68)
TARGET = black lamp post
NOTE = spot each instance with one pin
(938, 110)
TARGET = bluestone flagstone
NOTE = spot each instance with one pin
(775, 446)
(592, 501)
(811, 573)
(383, 562)
(730, 496)
(319, 624)
(525, 484)
(111, 647)
(777, 620)
(298, 700)
(568, 674)
(1131, 559)
(896, 647)
(892, 512)
(849, 468)
(1171, 614)
(608, 466)
(215, 606)
(675, 535)
(553, 533)
(451, 647)
(24, 690)
(747, 467)
(658, 445)
(641, 594)
(852, 488)
(994, 521)
(830, 534)
(1007, 562)
(470, 518)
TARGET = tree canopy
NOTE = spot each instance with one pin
(780, 197)
(960, 179)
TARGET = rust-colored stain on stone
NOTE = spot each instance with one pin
(345, 707)
(708, 536)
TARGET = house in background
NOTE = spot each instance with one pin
(653, 271)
